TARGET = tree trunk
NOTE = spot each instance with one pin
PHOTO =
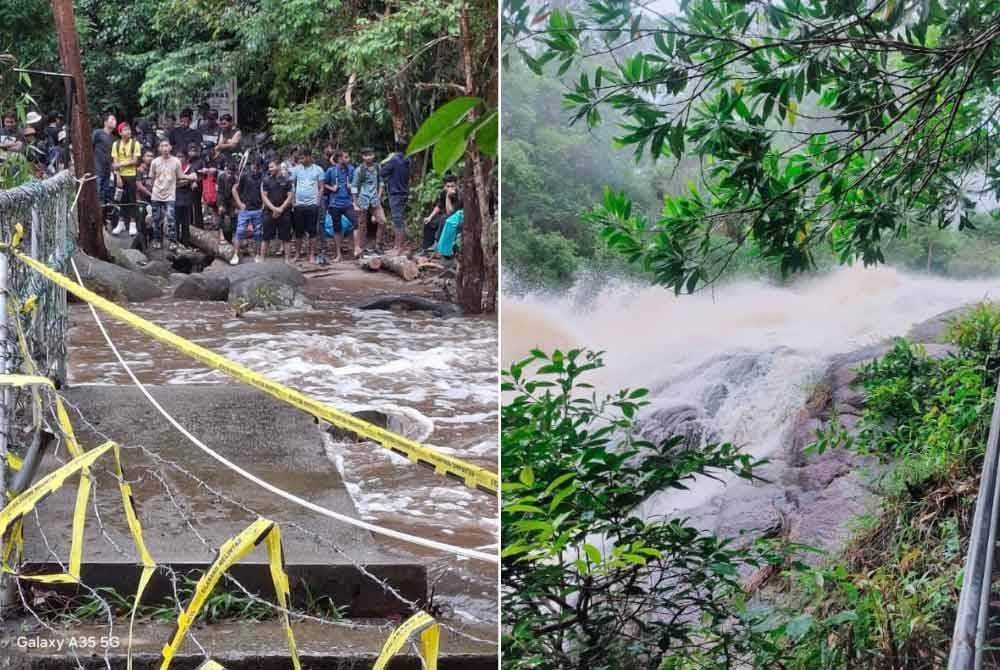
(400, 265)
(397, 107)
(208, 241)
(478, 229)
(91, 221)
(469, 283)
(372, 263)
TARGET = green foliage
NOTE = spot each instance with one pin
(890, 601)
(588, 583)
(223, 604)
(447, 131)
(793, 112)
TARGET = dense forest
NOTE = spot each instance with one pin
(558, 165)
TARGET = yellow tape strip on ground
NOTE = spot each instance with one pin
(473, 476)
(430, 637)
(13, 513)
(232, 551)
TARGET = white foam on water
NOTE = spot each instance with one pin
(679, 346)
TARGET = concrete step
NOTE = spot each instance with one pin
(237, 646)
(271, 439)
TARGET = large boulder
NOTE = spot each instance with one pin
(158, 268)
(136, 258)
(407, 302)
(203, 287)
(114, 282)
(266, 285)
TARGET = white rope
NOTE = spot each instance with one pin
(388, 532)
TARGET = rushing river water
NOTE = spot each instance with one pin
(441, 374)
(740, 359)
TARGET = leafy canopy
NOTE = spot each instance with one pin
(815, 123)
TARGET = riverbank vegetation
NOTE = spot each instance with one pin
(588, 582)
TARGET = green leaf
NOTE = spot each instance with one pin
(441, 123)
(593, 553)
(448, 149)
(487, 131)
(527, 476)
(799, 626)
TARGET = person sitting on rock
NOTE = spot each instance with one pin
(448, 203)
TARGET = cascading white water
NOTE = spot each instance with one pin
(742, 358)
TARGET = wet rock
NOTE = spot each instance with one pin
(933, 330)
(158, 268)
(190, 263)
(407, 302)
(135, 257)
(268, 285)
(263, 293)
(273, 271)
(203, 287)
(115, 282)
(940, 350)
(686, 421)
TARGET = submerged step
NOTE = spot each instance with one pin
(189, 504)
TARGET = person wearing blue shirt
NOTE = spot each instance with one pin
(338, 185)
(396, 175)
(308, 189)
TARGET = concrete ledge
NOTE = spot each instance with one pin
(345, 584)
(238, 646)
(184, 523)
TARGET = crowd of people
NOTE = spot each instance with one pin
(156, 181)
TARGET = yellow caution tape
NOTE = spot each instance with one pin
(232, 551)
(430, 637)
(473, 476)
(11, 516)
(14, 462)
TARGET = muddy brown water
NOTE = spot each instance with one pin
(440, 375)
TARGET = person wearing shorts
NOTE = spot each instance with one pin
(396, 174)
(276, 193)
(340, 201)
(368, 187)
(246, 195)
(308, 181)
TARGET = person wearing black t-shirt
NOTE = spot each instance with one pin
(249, 202)
(184, 135)
(188, 193)
(276, 193)
(101, 140)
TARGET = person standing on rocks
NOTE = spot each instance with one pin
(337, 184)
(102, 139)
(367, 185)
(188, 195)
(396, 173)
(165, 173)
(246, 195)
(144, 196)
(308, 180)
(125, 155)
(276, 192)
(225, 203)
